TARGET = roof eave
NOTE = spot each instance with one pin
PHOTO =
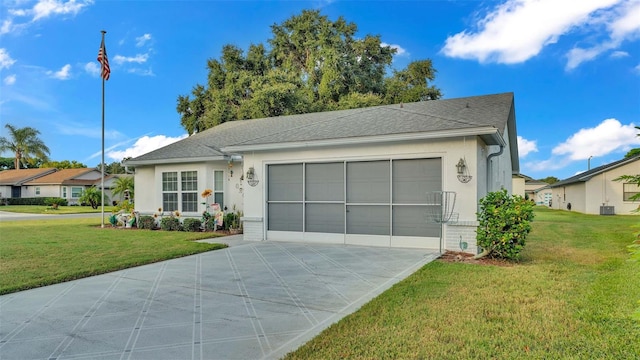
(489, 134)
(174, 160)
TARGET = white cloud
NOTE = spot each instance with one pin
(5, 59)
(400, 51)
(637, 68)
(609, 136)
(63, 74)
(142, 72)
(10, 79)
(619, 54)
(41, 10)
(46, 8)
(144, 145)
(139, 58)
(526, 146)
(92, 68)
(141, 40)
(518, 30)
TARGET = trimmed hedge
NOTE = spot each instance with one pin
(170, 224)
(192, 225)
(45, 201)
(147, 222)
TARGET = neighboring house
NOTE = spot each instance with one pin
(595, 191)
(518, 184)
(109, 184)
(12, 181)
(543, 195)
(357, 176)
(65, 183)
(538, 191)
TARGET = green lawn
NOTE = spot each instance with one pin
(42, 209)
(44, 252)
(571, 297)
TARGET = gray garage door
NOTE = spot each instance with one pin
(382, 199)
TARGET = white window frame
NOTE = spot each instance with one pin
(37, 190)
(75, 188)
(64, 192)
(167, 189)
(219, 190)
(189, 185)
(627, 194)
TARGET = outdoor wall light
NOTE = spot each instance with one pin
(252, 179)
(463, 171)
(461, 166)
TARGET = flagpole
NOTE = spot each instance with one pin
(102, 163)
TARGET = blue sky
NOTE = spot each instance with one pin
(574, 66)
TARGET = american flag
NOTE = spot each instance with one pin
(104, 62)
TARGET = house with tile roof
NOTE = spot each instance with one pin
(12, 182)
(597, 192)
(68, 184)
(361, 176)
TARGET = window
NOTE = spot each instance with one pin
(64, 192)
(189, 182)
(170, 191)
(218, 188)
(183, 197)
(629, 190)
(37, 190)
(76, 191)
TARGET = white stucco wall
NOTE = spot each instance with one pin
(518, 186)
(148, 185)
(449, 150)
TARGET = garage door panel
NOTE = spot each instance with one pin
(368, 182)
(412, 221)
(285, 217)
(285, 182)
(324, 218)
(368, 219)
(324, 182)
(414, 178)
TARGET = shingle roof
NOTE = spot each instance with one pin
(585, 176)
(17, 177)
(419, 117)
(64, 176)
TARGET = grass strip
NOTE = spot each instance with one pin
(571, 297)
(45, 252)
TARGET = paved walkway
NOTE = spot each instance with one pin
(249, 301)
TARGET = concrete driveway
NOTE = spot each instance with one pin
(249, 301)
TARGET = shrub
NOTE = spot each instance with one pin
(47, 201)
(124, 205)
(192, 225)
(55, 202)
(147, 222)
(504, 224)
(170, 224)
(210, 224)
(231, 220)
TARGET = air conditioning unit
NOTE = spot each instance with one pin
(607, 210)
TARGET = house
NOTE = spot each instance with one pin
(596, 192)
(12, 181)
(540, 192)
(65, 183)
(361, 176)
(532, 191)
(109, 184)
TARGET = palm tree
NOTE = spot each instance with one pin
(123, 184)
(25, 144)
(93, 197)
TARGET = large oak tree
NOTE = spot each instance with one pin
(311, 64)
